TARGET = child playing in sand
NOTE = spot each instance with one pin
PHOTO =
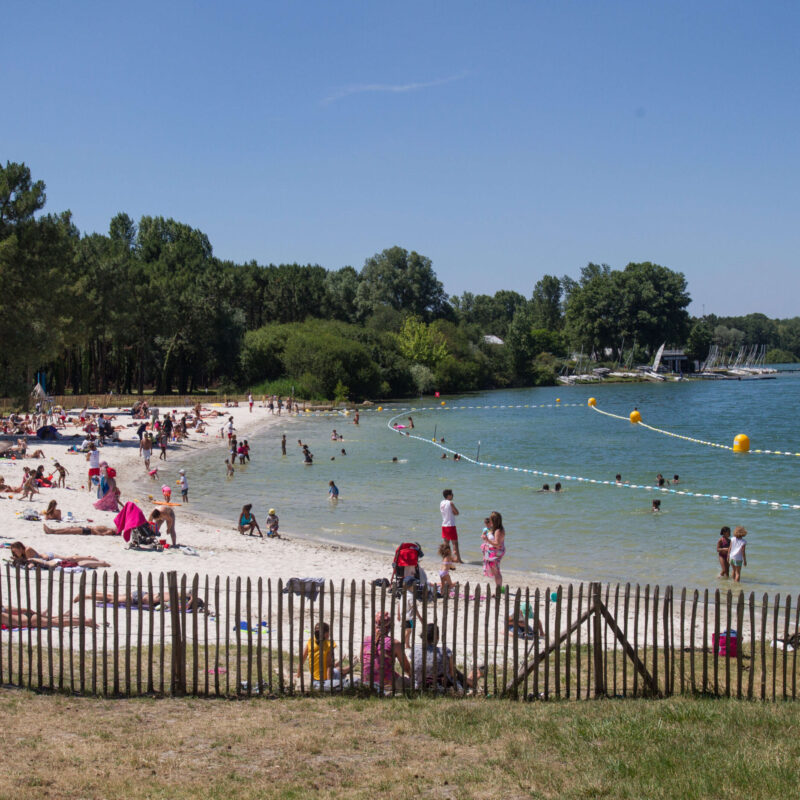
(446, 554)
(723, 548)
(29, 487)
(736, 555)
(167, 492)
(272, 524)
(62, 475)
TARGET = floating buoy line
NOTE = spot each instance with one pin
(741, 442)
(406, 432)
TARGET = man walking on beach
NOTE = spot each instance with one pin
(449, 514)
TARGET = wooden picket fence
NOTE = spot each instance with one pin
(596, 640)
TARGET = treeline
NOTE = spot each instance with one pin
(149, 306)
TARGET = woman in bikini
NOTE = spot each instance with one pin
(22, 556)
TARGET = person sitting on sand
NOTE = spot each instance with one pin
(247, 521)
(325, 671)
(76, 530)
(53, 511)
(22, 556)
(520, 626)
(440, 665)
(380, 647)
(164, 514)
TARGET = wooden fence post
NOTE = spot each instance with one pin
(599, 688)
(178, 685)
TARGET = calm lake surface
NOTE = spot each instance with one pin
(590, 531)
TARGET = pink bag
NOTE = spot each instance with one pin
(726, 644)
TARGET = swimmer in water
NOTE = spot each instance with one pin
(661, 482)
(545, 488)
(618, 478)
(444, 455)
(456, 457)
(394, 459)
(656, 506)
(344, 452)
(411, 423)
(675, 480)
(557, 487)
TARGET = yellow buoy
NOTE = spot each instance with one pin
(636, 417)
(558, 399)
(380, 408)
(741, 443)
(592, 402)
(442, 402)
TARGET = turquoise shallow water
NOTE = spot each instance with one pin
(590, 531)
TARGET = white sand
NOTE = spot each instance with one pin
(222, 550)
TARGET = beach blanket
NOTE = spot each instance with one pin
(129, 518)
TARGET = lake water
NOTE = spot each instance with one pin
(590, 531)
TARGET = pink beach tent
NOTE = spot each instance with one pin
(129, 518)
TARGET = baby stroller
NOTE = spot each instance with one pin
(135, 528)
(406, 562)
(144, 537)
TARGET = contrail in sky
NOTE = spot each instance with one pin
(397, 88)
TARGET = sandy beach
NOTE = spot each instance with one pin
(220, 549)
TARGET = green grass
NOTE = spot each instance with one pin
(424, 747)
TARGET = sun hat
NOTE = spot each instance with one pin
(272, 511)
(181, 471)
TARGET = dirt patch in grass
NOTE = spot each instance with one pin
(367, 748)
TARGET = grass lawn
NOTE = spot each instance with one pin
(64, 747)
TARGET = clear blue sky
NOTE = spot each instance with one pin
(502, 140)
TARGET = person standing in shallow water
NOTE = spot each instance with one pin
(283, 445)
(449, 531)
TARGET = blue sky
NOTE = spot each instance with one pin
(503, 140)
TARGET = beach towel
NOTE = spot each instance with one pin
(129, 518)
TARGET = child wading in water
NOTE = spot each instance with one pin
(447, 564)
(723, 548)
(736, 555)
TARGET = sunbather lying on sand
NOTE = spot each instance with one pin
(26, 618)
(76, 530)
(22, 556)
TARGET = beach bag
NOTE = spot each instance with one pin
(726, 644)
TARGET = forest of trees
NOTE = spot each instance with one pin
(149, 306)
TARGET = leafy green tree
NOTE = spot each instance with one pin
(421, 343)
(341, 289)
(699, 341)
(546, 304)
(35, 258)
(405, 281)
